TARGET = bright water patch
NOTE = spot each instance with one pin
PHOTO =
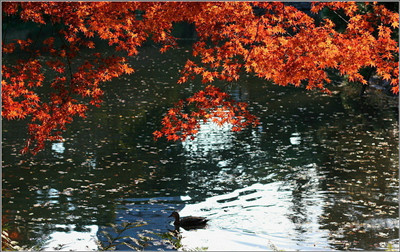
(71, 240)
(295, 138)
(58, 147)
(257, 217)
(210, 138)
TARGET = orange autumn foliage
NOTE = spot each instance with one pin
(271, 40)
(208, 104)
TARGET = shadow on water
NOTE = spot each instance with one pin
(151, 216)
(319, 173)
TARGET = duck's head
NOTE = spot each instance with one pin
(175, 214)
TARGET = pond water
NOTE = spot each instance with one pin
(319, 173)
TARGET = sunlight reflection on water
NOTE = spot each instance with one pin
(249, 218)
(259, 216)
(69, 240)
(210, 138)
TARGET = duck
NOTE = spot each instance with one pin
(188, 222)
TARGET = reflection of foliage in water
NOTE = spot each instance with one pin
(117, 238)
(172, 237)
(362, 163)
(175, 239)
(8, 244)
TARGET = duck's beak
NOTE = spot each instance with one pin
(170, 215)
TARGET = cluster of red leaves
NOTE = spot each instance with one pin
(184, 119)
(49, 115)
(74, 89)
(286, 46)
(280, 43)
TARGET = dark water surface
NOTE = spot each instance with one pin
(319, 173)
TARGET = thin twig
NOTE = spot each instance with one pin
(341, 17)
(68, 61)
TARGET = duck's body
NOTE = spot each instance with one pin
(189, 222)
